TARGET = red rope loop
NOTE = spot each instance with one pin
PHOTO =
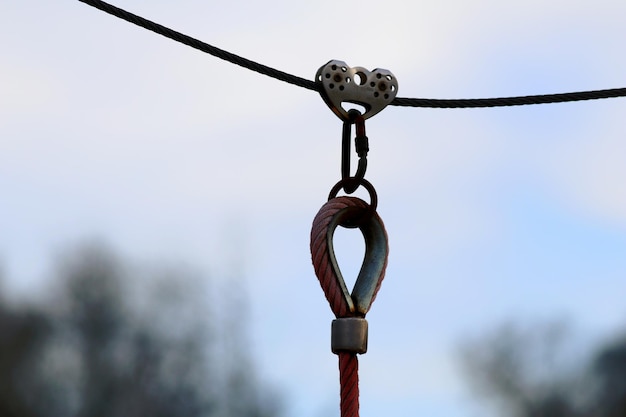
(338, 211)
(349, 212)
(322, 263)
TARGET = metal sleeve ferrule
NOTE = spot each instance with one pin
(349, 334)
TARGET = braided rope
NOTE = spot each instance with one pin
(341, 305)
(320, 255)
(349, 383)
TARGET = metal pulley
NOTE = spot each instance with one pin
(373, 90)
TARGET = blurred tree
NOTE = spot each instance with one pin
(525, 373)
(609, 372)
(106, 344)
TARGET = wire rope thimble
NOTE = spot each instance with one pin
(349, 330)
(340, 84)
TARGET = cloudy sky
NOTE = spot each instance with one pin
(110, 131)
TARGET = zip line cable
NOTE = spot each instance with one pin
(311, 85)
(197, 44)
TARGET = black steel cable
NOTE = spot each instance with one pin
(204, 47)
(311, 85)
(510, 101)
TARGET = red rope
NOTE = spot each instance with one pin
(330, 282)
(349, 384)
(319, 252)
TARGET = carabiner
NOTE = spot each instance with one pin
(351, 183)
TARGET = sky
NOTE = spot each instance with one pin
(109, 131)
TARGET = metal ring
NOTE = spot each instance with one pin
(352, 181)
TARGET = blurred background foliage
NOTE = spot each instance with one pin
(111, 339)
(540, 370)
